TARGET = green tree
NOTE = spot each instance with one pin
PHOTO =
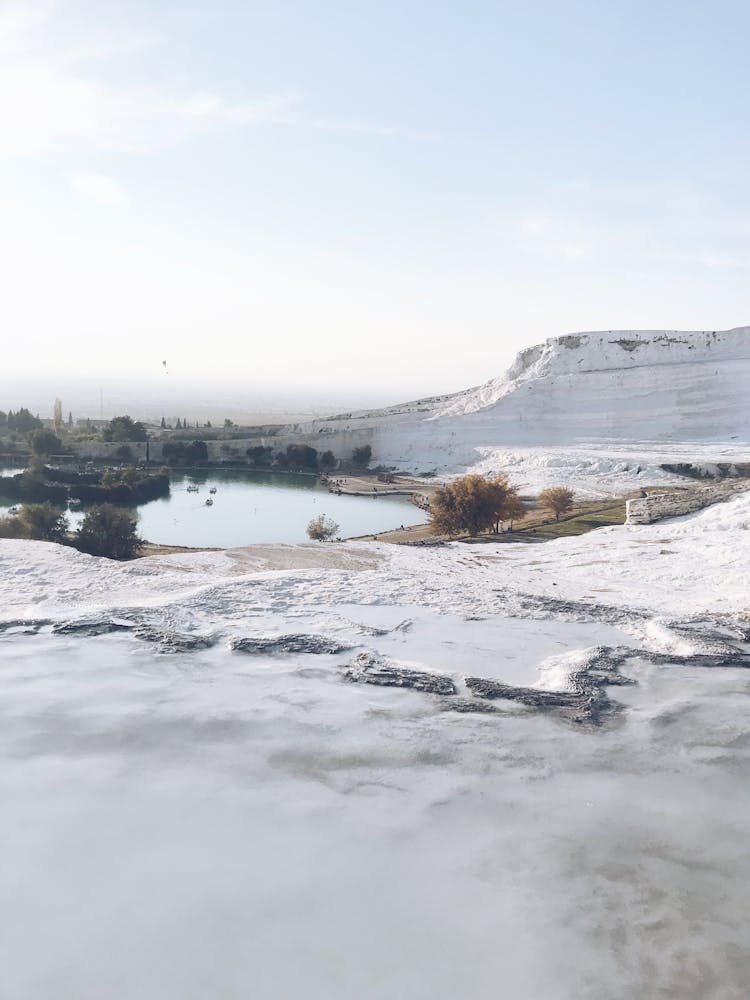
(124, 429)
(128, 476)
(556, 499)
(44, 522)
(361, 456)
(173, 452)
(196, 451)
(44, 443)
(328, 461)
(57, 415)
(261, 456)
(322, 528)
(301, 456)
(23, 421)
(109, 531)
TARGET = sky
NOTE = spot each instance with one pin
(394, 197)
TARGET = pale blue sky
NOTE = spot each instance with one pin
(385, 193)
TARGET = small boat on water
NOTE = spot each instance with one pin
(212, 490)
(209, 502)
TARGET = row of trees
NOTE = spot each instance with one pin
(22, 421)
(105, 530)
(473, 504)
(304, 458)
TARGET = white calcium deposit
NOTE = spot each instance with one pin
(600, 408)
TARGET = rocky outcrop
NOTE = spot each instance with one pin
(175, 642)
(586, 700)
(92, 626)
(292, 643)
(676, 503)
(368, 668)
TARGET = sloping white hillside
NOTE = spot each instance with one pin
(665, 390)
(703, 374)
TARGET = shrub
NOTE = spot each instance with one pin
(43, 522)
(11, 527)
(108, 531)
(322, 528)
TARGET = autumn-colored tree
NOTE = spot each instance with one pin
(507, 504)
(557, 499)
(473, 504)
(514, 509)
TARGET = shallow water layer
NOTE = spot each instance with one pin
(229, 825)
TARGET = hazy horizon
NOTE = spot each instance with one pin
(191, 399)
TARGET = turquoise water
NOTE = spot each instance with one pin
(251, 507)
